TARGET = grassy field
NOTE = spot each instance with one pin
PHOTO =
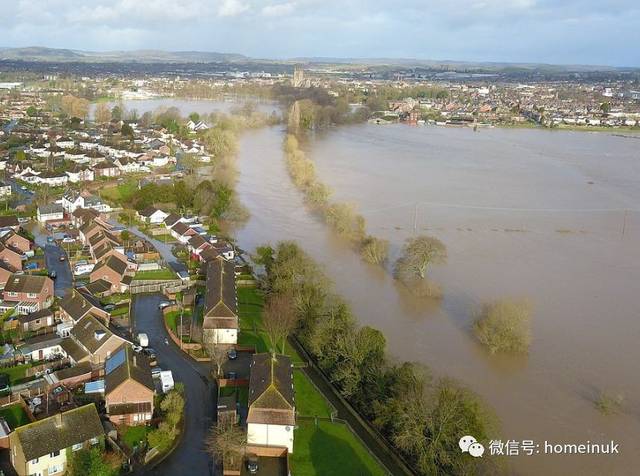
(119, 193)
(330, 448)
(173, 319)
(309, 401)
(164, 273)
(14, 415)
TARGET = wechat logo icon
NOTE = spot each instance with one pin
(468, 444)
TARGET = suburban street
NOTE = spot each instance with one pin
(64, 277)
(189, 458)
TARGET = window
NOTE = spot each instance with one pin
(54, 454)
(12, 294)
(76, 447)
(56, 468)
(32, 295)
(34, 461)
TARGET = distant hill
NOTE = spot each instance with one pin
(42, 54)
(37, 53)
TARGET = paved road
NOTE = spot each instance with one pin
(64, 278)
(189, 458)
(163, 248)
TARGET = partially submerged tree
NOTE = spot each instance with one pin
(218, 354)
(504, 326)
(374, 250)
(609, 404)
(419, 253)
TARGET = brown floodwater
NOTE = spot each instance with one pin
(527, 213)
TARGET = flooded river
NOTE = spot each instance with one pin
(551, 216)
(523, 213)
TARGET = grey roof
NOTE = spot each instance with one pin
(39, 342)
(59, 432)
(34, 316)
(78, 304)
(271, 398)
(85, 333)
(26, 283)
(220, 296)
(73, 349)
(50, 208)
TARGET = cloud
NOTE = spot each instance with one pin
(232, 8)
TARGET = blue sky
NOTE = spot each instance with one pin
(548, 31)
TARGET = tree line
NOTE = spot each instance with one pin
(422, 416)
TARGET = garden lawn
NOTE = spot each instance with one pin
(133, 435)
(309, 400)
(14, 415)
(164, 273)
(330, 448)
(120, 193)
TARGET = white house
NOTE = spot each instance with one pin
(42, 347)
(51, 212)
(271, 418)
(5, 190)
(80, 174)
(72, 200)
(153, 215)
(220, 320)
(53, 179)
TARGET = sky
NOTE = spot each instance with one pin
(597, 32)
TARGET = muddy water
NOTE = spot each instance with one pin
(523, 213)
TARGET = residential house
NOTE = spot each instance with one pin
(113, 270)
(36, 320)
(77, 304)
(80, 174)
(10, 257)
(152, 215)
(271, 417)
(42, 447)
(53, 179)
(28, 293)
(9, 222)
(91, 341)
(83, 215)
(182, 232)
(106, 169)
(73, 200)
(15, 241)
(51, 212)
(128, 387)
(220, 322)
(42, 347)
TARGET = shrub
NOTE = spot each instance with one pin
(504, 326)
(374, 250)
(608, 404)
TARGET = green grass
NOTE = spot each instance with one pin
(164, 273)
(330, 448)
(133, 435)
(120, 311)
(14, 415)
(309, 400)
(173, 319)
(17, 374)
(121, 192)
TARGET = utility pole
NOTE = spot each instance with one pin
(415, 219)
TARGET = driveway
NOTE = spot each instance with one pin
(189, 458)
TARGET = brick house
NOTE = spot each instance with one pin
(91, 341)
(10, 257)
(128, 387)
(113, 269)
(28, 293)
(17, 242)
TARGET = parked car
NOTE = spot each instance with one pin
(231, 375)
(50, 239)
(136, 348)
(143, 339)
(31, 266)
(68, 239)
(232, 354)
(164, 304)
(63, 258)
(109, 307)
(53, 274)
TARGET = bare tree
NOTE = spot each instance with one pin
(102, 113)
(218, 354)
(279, 319)
(227, 443)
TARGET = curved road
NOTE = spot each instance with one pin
(189, 458)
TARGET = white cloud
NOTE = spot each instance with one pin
(232, 8)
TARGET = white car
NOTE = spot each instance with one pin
(68, 239)
(164, 304)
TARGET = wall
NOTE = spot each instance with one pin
(270, 435)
